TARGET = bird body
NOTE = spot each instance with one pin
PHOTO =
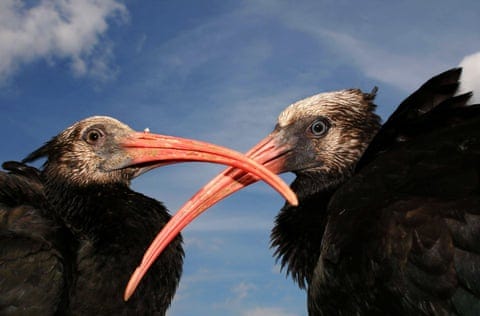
(397, 237)
(68, 241)
(388, 220)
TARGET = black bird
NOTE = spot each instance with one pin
(71, 233)
(392, 229)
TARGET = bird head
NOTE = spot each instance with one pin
(102, 150)
(321, 136)
(89, 151)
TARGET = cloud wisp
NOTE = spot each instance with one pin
(267, 311)
(58, 30)
(470, 80)
(399, 55)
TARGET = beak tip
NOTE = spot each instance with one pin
(128, 293)
(131, 286)
(292, 198)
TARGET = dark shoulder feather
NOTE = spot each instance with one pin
(433, 97)
(21, 185)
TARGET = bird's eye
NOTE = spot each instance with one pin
(319, 127)
(93, 136)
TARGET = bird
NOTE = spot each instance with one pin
(388, 220)
(73, 229)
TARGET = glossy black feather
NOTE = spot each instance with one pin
(401, 236)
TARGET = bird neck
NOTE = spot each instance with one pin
(298, 230)
(319, 180)
(83, 208)
(104, 213)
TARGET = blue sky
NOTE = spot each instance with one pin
(219, 71)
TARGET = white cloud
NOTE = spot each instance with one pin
(470, 80)
(58, 29)
(242, 290)
(205, 245)
(267, 311)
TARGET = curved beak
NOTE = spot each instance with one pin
(148, 150)
(270, 153)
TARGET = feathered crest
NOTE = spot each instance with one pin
(371, 96)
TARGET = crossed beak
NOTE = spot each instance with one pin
(267, 158)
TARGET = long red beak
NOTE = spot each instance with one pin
(158, 150)
(266, 153)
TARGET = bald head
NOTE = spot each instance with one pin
(347, 104)
(83, 152)
(326, 134)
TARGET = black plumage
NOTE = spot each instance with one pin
(70, 236)
(398, 236)
(388, 221)
(409, 237)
